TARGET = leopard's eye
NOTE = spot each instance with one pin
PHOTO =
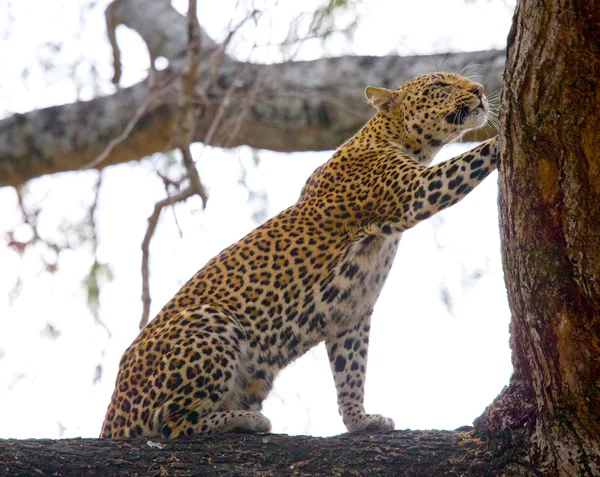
(440, 84)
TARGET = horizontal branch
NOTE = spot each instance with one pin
(415, 453)
(293, 106)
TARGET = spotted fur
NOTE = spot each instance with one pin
(310, 274)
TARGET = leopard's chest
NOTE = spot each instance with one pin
(359, 279)
(348, 297)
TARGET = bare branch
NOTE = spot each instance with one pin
(98, 269)
(152, 223)
(111, 30)
(31, 219)
(184, 132)
(121, 137)
(186, 123)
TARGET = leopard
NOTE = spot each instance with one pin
(311, 274)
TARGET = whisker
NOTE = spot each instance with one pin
(470, 70)
(433, 67)
(443, 62)
(494, 122)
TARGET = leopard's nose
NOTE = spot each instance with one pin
(477, 91)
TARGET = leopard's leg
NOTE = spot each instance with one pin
(218, 422)
(204, 380)
(429, 190)
(348, 352)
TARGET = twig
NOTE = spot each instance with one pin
(176, 183)
(94, 307)
(220, 112)
(121, 137)
(249, 100)
(185, 126)
(154, 94)
(152, 223)
(184, 132)
(31, 219)
(111, 27)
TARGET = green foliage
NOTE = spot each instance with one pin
(333, 16)
(257, 197)
(100, 274)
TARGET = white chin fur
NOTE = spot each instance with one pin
(476, 119)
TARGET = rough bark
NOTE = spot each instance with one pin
(293, 106)
(402, 453)
(549, 181)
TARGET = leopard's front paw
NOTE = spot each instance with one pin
(370, 422)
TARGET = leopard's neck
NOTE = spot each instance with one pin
(383, 132)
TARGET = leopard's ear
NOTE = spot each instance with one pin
(382, 99)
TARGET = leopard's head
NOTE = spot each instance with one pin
(433, 109)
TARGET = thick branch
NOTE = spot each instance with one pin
(163, 29)
(296, 106)
(415, 453)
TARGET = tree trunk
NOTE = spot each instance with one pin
(550, 229)
(293, 106)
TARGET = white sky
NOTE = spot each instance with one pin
(428, 368)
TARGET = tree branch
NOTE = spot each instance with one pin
(300, 106)
(414, 453)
